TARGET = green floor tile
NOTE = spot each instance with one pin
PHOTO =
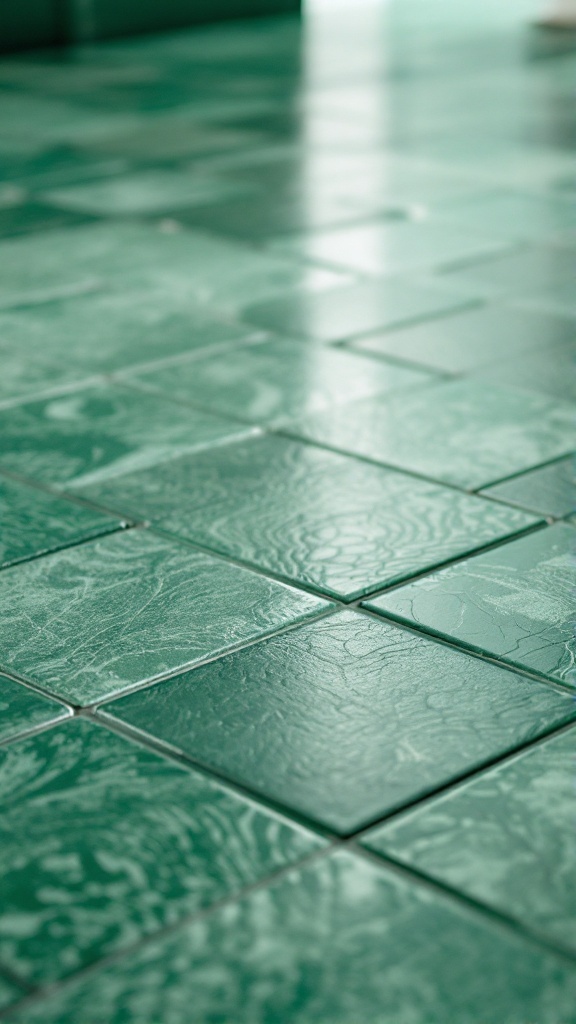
(104, 842)
(558, 298)
(84, 436)
(473, 338)
(515, 603)
(289, 953)
(22, 709)
(497, 837)
(313, 517)
(460, 432)
(522, 272)
(278, 380)
(550, 491)
(516, 215)
(395, 247)
(34, 522)
(102, 332)
(31, 217)
(94, 620)
(346, 719)
(549, 372)
(146, 192)
(124, 256)
(10, 993)
(357, 309)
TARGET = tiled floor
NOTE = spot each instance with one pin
(288, 493)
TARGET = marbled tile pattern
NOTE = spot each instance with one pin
(34, 522)
(288, 326)
(462, 432)
(119, 842)
(21, 709)
(80, 437)
(290, 952)
(311, 516)
(516, 602)
(496, 837)
(345, 719)
(93, 620)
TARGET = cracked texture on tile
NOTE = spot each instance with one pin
(515, 602)
(94, 620)
(314, 517)
(291, 950)
(345, 719)
(104, 842)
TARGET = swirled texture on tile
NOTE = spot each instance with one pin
(516, 602)
(339, 941)
(460, 432)
(21, 709)
(345, 719)
(34, 522)
(279, 380)
(104, 842)
(318, 518)
(90, 621)
(507, 839)
(550, 491)
(87, 435)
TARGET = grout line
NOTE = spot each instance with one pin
(524, 472)
(37, 729)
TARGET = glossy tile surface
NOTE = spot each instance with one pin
(34, 522)
(346, 719)
(289, 952)
(550, 372)
(460, 433)
(84, 436)
(341, 313)
(550, 491)
(94, 620)
(516, 215)
(516, 602)
(464, 341)
(521, 273)
(278, 380)
(21, 710)
(495, 838)
(134, 842)
(314, 517)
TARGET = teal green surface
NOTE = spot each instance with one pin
(34, 522)
(550, 491)
(516, 602)
(104, 842)
(495, 839)
(10, 993)
(313, 517)
(27, 218)
(512, 214)
(80, 437)
(94, 620)
(520, 274)
(346, 719)
(461, 432)
(340, 313)
(471, 339)
(278, 380)
(290, 951)
(21, 709)
(550, 372)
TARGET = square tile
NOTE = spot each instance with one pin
(313, 517)
(105, 842)
(100, 332)
(346, 719)
(549, 372)
(340, 313)
(472, 338)
(94, 620)
(515, 603)
(513, 214)
(549, 491)
(278, 380)
(22, 710)
(275, 955)
(461, 432)
(34, 522)
(496, 838)
(391, 247)
(80, 437)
